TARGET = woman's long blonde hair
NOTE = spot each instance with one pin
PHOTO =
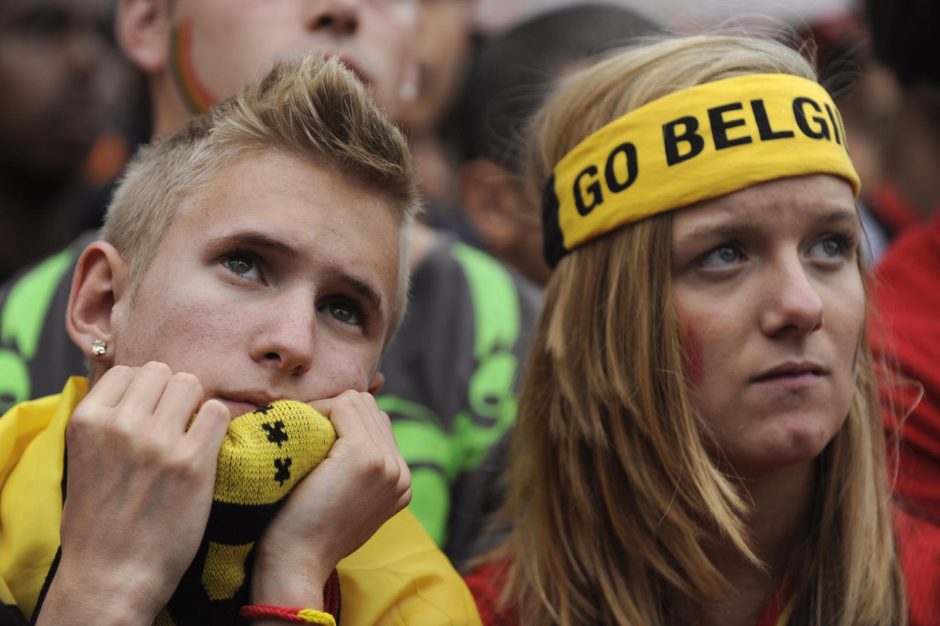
(613, 496)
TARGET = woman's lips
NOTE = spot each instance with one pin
(792, 375)
(790, 381)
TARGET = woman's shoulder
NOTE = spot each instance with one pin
(486, 582)
(918, 538)
(919, 550)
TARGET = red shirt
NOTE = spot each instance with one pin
(891, 210)
(907, 296)
(918, 546)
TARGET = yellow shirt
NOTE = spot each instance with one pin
(397, 578)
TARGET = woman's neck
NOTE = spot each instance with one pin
(781, 503)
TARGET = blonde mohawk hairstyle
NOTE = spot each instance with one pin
(313, 108)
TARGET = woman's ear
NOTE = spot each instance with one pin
(100, 284)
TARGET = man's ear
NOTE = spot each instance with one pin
(143, 31)
(100, 282)
(378, 381)
(487, 195)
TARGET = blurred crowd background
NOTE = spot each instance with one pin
(73, 109)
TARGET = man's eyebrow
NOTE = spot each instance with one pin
(254, 239)
(364, 290)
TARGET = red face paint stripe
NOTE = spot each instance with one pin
(194, 93)
(695, 368)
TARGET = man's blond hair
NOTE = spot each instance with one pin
(313, 108)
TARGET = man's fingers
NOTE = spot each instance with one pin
(403, 500)
(355, 414)
(181, 397)
(323, 407)
(145, 390)
(210, 425)
(112, 386)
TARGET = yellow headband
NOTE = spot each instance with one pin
(689, 146)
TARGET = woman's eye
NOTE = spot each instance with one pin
(721, 256)
(342, 310)
(834, 247)
(830, 247)
(242, 265)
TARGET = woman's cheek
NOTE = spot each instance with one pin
(694, 357)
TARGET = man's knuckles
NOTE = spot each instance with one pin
(157, 369)
(184, 382)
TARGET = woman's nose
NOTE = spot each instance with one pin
(792, 303)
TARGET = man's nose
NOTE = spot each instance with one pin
(792, 302)
(286, 341)
(337, 17)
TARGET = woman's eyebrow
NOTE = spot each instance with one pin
(729, 229)
(737, 227)
(836, 217)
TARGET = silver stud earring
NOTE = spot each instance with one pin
(98, 347)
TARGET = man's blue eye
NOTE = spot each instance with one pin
(343, 311)
(242, 265)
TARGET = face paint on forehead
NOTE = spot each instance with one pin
(196, 95)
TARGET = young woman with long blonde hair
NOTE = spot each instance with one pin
(697, 438)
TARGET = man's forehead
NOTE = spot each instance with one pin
(290, 205)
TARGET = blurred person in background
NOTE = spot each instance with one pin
(908, 276)
(444, 46)
(904, 38)
(450, 372)
(509, 79)
(63, 80)
(867, 95)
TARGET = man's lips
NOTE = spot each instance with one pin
(237, 409)
(239, 404)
